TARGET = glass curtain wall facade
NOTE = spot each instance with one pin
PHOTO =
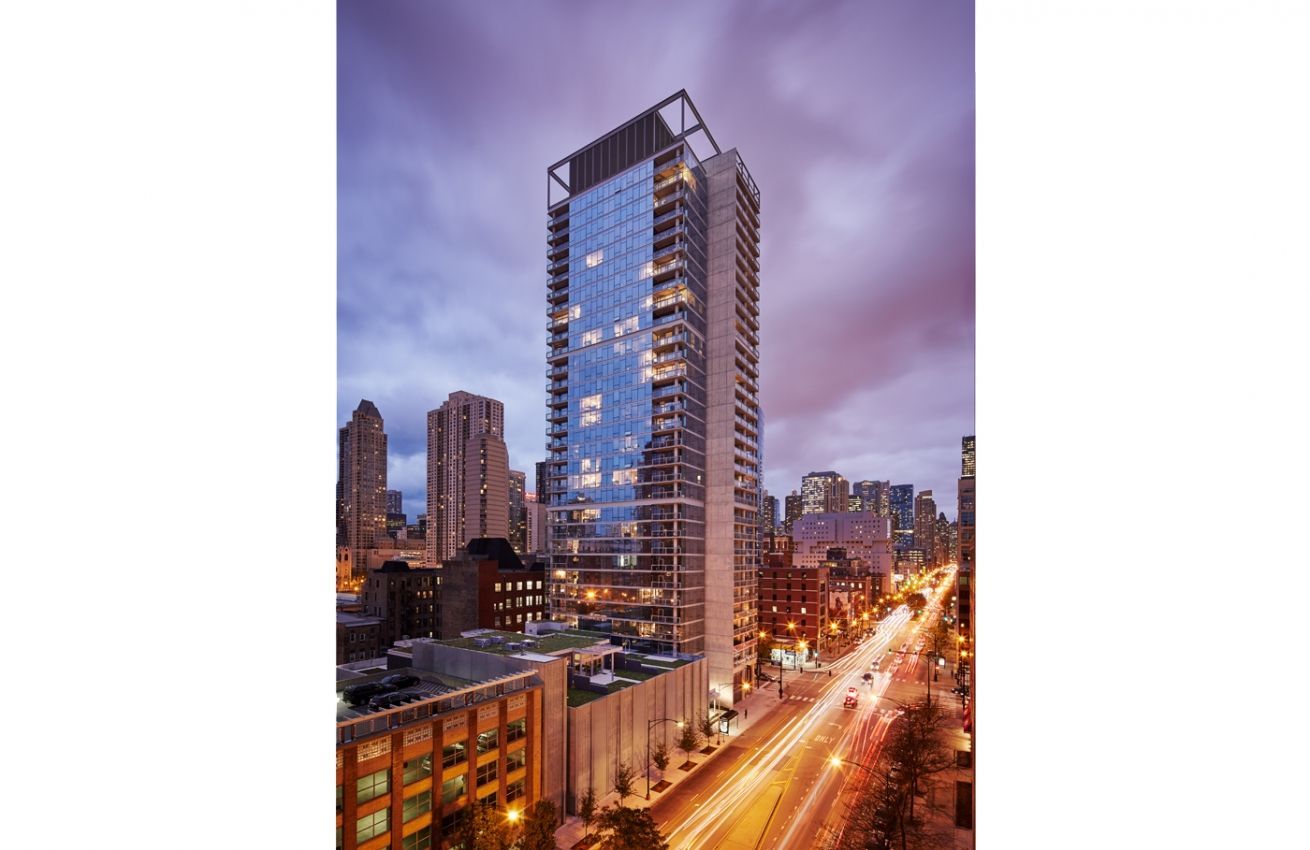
(628, 348)
(901, 499)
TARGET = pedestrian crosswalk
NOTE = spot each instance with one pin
(799, 698)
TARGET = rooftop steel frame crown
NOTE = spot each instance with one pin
(560, 180)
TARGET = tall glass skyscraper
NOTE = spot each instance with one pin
(653, 477)
(901, 499)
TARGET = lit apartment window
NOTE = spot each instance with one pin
(371, 826)
(516, 730)
(372, 786)
(516, 760)
(488, 773)
(488, 741)
(595, 258)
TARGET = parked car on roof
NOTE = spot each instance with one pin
(400, 680)
(390, 699)
(360, 694)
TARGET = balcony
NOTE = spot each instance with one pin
(558, 416)
(668, 303)
(667, 340)
(661, 221)
(558, 339)
(665, 272)
(557, 236)
(667, 423)
(558, 297)
(670, 318)
(557, 430)
(667, 252)
(668, 373)
(662, 203)
(667, 391)
(557, 371)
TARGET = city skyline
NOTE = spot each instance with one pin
(439, 216)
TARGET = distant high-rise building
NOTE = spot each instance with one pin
(942, 541)
(855, 503)
(396, 518)
(965, 516)
(824, 492)
(542, 490)
(653, 361)
(901, 504)
(536, 524)
(468, 474)
(770, 513)
(792, 510)
(875, 496)
(518, 514)
(925, 525)
(361, 482)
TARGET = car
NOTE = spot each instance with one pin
(392, 698)
(868, 677)
(361, 694)
(852, 698)
(400, 680)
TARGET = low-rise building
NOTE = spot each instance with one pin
(793, 606)
(357, 637)
(598, 699)
(406, 775)
(404, 598)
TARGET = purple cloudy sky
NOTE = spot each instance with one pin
(856, 120)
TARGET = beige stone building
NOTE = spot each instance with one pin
(361, 482)
(468, 474)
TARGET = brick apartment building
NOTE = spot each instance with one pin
(404, 598)
(793, 604)
(487, 586)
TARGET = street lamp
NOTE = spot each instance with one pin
(649, 726)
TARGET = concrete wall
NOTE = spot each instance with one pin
(612, 730)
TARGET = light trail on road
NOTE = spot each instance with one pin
(780, 755)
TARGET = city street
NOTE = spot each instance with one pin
(775, 787)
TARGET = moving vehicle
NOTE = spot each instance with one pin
(852, 698)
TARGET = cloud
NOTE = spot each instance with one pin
(856, 122)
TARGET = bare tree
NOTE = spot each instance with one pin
(660, 755)
(625, 778)
(587, 811)
(688, 740)
(706, 726)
